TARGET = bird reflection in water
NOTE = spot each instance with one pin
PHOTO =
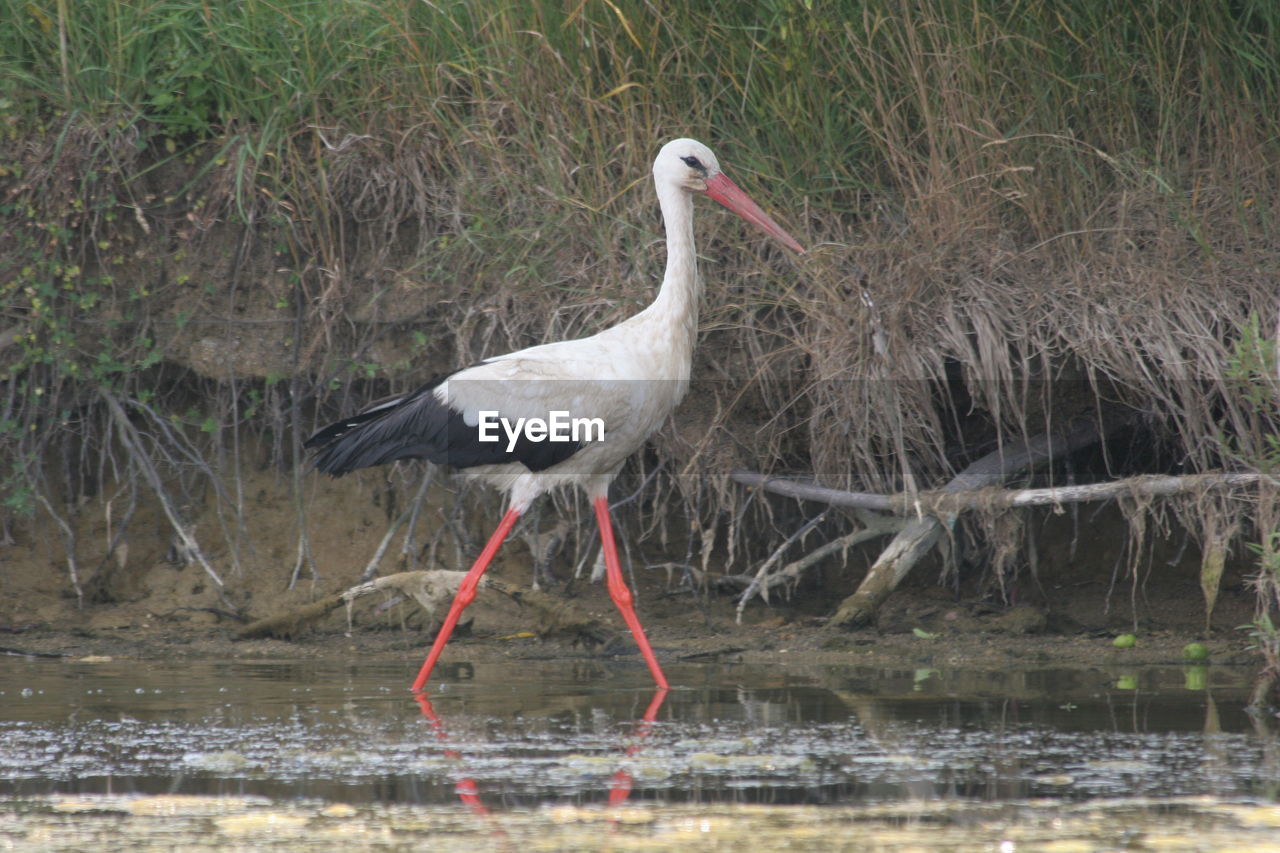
(619, 786)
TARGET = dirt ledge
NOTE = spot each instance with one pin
(962, 636)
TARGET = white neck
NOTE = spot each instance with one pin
(677, 303)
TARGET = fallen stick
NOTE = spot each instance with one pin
(1146, 485)
(967, 493)
(822, 494)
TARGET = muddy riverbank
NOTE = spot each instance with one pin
(683, 631)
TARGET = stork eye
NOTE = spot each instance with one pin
(694, 163)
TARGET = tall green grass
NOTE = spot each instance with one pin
(926, 100)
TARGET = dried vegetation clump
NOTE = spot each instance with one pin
(1017, 216)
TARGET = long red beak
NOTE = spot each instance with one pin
(725, 191)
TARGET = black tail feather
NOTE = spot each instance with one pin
(419, 426)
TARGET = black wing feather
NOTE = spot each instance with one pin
(419, 426)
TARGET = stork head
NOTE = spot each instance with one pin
(690, 165)
(687, 163)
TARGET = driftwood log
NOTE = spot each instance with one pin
(555, 616)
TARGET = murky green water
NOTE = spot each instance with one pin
(295, 752)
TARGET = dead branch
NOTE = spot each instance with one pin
(69, 538)
(814, 492)
(409, 550)
(1146, 485)
(410, 512)
(948, 500)
(428, 588)
(755, 585)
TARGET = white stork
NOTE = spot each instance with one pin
(630, 376)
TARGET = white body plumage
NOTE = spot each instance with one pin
(631, 375)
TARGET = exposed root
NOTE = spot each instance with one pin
(133, 444)
(874, 526)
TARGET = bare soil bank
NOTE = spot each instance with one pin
(163, 610)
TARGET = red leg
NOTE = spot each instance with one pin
(466, 594)
(621, 593)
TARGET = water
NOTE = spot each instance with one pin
(524, 739)
(531, 734)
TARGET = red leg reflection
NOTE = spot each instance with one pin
(466, 787)
(466, 594)
(620, 788)
(621, 593)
